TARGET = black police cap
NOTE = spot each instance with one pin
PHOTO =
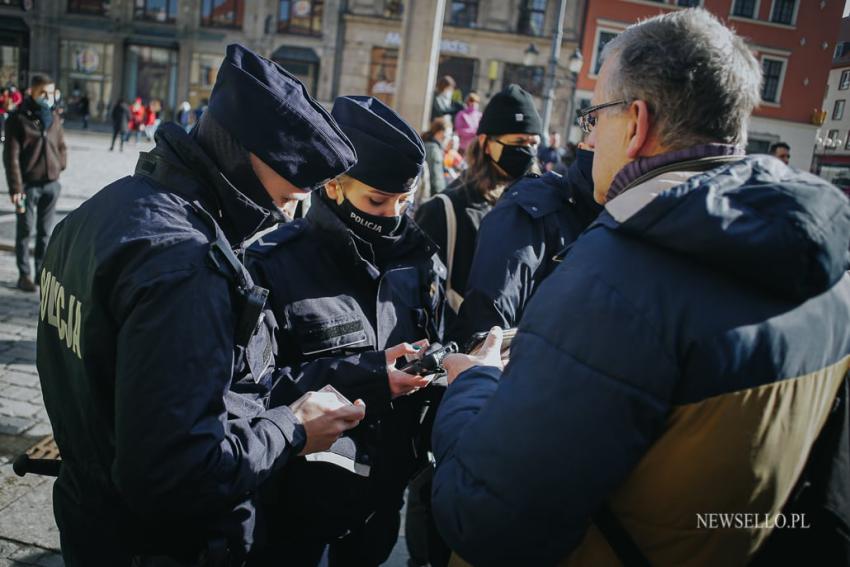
(390, 154)
(271, 114)
(510, 111)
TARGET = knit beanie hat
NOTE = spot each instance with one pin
(510, 111)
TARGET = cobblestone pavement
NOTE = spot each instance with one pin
(28, 534)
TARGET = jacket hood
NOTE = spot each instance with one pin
(756, 219)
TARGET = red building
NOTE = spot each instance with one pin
(793, 39)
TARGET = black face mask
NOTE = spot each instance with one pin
(515, 160)
(366, 226)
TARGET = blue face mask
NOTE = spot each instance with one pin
(45, 112)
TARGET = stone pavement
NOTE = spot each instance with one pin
(28, 534)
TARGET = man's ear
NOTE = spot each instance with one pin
(639, 126)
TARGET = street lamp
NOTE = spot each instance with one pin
(530, 55)
(576, 62)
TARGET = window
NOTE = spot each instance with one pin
(222, 13)
(464, 14)
(783, 12)
(745, 8)
(393, 8)
(164, 11)
(689, 3)
(772, 69)
(842, 49)
(847, 143)
(602, 39)
(93, 7)
(529, 78)
(13, 3)
(844, 84)
(301, 62)
(531, 17)
(302, 17)
(838, 110)
(382, 68)
(832, 135)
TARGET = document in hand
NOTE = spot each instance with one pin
(343, 453)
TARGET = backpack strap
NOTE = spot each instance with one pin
(453, 298)
(618, 538)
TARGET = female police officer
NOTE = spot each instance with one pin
(352, 286)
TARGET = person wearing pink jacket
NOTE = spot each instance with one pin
(466, 121)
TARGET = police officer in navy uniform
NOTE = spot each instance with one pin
(519, 243)
(154, 364)
(368, 291)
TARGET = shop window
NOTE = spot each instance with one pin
(745, 8)
(382, 69)
(222, 13)
(528, 77)
(85, 71)
(163, 11)
(773, 71)
(783, 12)
(462, 70)
(532, 16)
(301, 62)
(464, 13)
(91, 7)
(301, 17)
(202, 74)
(393, 8)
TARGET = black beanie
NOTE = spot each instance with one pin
(510, 111)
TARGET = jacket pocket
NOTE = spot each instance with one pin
(337, 332)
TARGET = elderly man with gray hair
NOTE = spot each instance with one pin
(677, 387)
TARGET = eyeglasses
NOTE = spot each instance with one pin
(587, 116)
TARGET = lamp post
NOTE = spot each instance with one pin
(552, 71)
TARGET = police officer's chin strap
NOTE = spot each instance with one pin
(234, 162)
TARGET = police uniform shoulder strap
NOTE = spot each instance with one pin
(220, 255)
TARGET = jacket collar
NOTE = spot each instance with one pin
(413, 242)
(238, 216)
(642, 168)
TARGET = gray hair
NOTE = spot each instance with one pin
(699, 79)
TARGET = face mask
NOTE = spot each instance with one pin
(369, 227)
(515, 160)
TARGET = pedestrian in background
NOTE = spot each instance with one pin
(120, 119)
(453, 162)
(184, 115)
(34, 155)
(85, 110)
(505, 149)
(5, 103)
(444, 103)
(781, 151)
(435, 139)
(466, 121)
(552, 156)
(137, 120)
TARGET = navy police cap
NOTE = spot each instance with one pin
(390, 154)
(271, 114)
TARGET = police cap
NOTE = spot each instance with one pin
(390, 154)
(271, 115)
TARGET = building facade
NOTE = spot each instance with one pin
(793, 39)
(832, 145)
(170, 50)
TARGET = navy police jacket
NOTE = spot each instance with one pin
(680, 361)
(517, 245)
(137, 350)
(336, 311)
